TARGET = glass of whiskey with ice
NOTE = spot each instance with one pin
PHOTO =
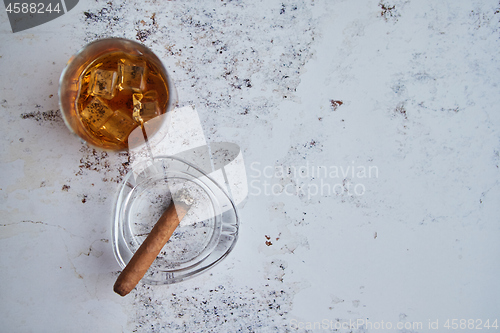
(110, 89)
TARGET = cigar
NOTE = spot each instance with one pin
(152, 245)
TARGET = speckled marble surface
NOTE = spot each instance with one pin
(370, 132)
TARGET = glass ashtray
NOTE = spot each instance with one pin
(205, 235)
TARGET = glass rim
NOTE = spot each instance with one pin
(64, 105)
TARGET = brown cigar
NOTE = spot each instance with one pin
(149, 249)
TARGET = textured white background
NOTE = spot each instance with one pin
(419, 86)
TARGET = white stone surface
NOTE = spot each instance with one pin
(418, 83)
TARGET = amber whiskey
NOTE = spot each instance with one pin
(117, 93)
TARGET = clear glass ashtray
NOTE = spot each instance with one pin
(205, 235)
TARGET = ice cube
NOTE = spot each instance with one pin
(150, 110)
(132, 75)
(136, 113)
(102, 83)
(118, 126)
(96, 113)
(146, 106)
